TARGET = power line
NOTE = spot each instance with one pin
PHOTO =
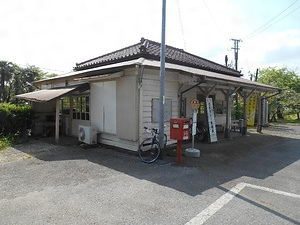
(269, 23)
(42, 68)
(213, 18)
(181, 25)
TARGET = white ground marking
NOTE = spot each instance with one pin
(227, 197)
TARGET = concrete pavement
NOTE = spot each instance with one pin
(51, 184)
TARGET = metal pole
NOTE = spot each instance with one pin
(57, 121)
(162, 75)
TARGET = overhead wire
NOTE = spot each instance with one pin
(269, 23)
(215, 22)
(42, 68)
(181, 25)
(226, 40)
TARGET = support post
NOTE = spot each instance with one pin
(228, 115)
(259, 113)
(244, 126)
(57, 121)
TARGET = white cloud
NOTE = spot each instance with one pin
(57, 34)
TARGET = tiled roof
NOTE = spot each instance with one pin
(151, 50)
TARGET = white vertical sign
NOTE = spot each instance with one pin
(211, 120)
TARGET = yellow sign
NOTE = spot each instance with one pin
(251, 109)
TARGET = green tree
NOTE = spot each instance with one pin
(17, 80)
(289, 98)
(6, 71)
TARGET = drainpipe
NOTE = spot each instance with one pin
(139, 126)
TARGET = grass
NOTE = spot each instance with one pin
(6, 141)
(289, 119)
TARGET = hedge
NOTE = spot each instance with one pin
(14, 119)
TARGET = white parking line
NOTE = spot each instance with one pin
(224, 199)
(273, 191)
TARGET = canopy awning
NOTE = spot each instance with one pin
(50, 94)
(214, 77)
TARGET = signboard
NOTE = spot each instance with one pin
(211, 120)
(251, 109)
(195, 104)
(155, 110)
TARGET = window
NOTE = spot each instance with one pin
(81, 108)
(65, 106)
(183, 107)
(220, 107)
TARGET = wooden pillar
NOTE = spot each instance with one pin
(244, 126)
(259, 113)
(57, 121)
(228, 115)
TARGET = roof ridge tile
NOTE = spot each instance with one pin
(151, 49)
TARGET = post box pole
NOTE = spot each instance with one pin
(179, 147)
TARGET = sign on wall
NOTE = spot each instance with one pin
(211, 120)
(167, 110)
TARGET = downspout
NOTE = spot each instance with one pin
(140, 101)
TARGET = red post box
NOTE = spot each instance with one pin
(180, 128)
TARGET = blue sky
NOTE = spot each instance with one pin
(56, 34)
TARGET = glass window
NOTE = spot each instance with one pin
(65, 106)
(81, 108)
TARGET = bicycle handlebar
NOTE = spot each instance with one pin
(148, 129)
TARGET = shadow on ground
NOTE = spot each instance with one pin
(255, 155)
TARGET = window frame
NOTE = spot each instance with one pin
(81, 107)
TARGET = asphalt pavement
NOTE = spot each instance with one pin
(252, 179)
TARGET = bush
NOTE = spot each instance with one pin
(14, 119)
(6, 141)
(238, 111)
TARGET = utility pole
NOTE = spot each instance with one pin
(162, 77)
(256, 75)
(236, 56)
(236, 51)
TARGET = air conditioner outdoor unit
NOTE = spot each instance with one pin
(87, 134)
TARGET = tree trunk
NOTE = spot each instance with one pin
(279, 113)
(2, 90)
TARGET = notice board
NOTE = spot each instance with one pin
(211, 120)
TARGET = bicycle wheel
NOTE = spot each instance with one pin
(149, 150)
(200, 133)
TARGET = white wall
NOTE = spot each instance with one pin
(127, 108)
(150, 90)
(103, 106)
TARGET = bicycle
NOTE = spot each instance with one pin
(200, 132)
(149, 150)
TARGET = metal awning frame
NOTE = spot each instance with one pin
(47, 95)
